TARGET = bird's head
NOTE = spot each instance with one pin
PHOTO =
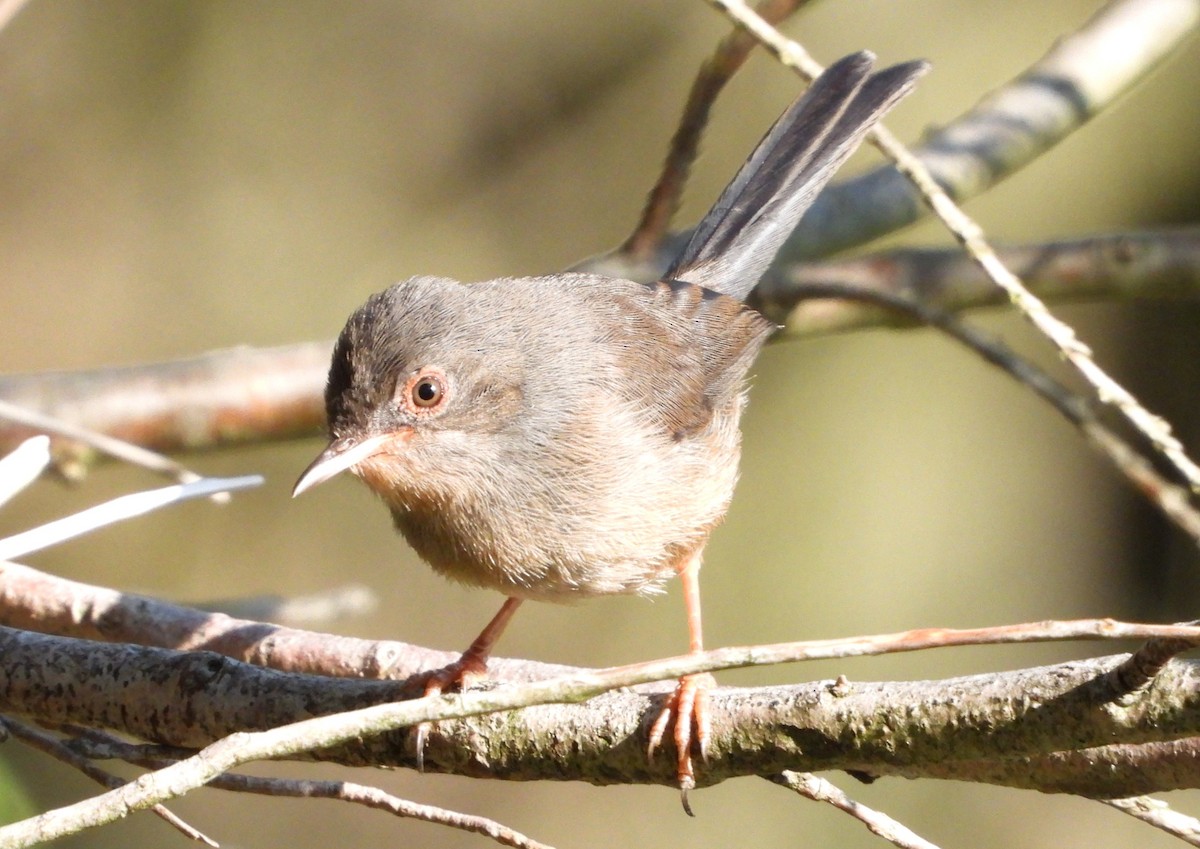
(416, 371)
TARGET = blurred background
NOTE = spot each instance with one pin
(178, 177)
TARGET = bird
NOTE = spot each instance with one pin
(572, 435)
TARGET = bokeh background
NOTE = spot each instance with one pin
(178, 177)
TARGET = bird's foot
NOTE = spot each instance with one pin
(688, 707)
(469, 669)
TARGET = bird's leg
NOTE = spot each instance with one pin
(470, 668)
(688, 705)
(472, 665)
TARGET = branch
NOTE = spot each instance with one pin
(22, 466)
(1163, 263)
(819, 790)
(1098, 772)
(37, 601)
(874, 728)
(231, 397)
(115, 510)
(373, 797)
(190, 699)
(105, 444)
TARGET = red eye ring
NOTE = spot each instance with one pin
(425, 391)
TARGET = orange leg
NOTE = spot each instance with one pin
(468, 669)
(688, 705)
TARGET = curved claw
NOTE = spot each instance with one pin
(689, 707)
(467, 670)
(421, 737)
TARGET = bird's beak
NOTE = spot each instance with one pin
(339, 456)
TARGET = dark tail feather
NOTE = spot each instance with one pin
(739, 237)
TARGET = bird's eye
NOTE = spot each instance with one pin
(425, 391)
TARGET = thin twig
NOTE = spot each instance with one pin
(1158, 814)
(717, 70)
(117, 509)
(101, 744)
(970, 235)
(374, 797)
(23, 465)
(819, 790)
(9, 10)
(1060, 334)
(118, 448)
(53, 747)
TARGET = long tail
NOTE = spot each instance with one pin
(739, 237)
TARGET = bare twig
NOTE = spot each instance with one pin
(819, 790)
(374, 797)
(9, 10)
(23, 465)
(103, 746)
(118, 509)
(117, 448)
(1174, 501)
(1081, 76)
(970, 234)
(717, 70)
(99, 744)
(1158, 814)
(53, 747)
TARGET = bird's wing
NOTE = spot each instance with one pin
(703, 345)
